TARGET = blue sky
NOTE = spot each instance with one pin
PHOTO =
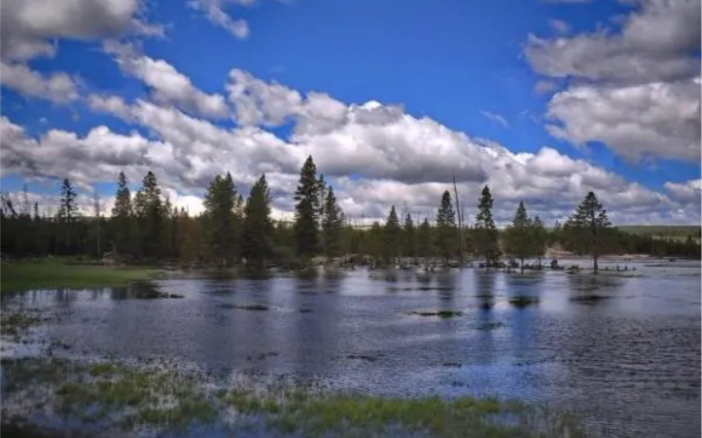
(469, 66)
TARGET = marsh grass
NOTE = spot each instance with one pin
(59, 272)
(117, 395)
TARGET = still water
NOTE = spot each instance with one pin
(622, 348)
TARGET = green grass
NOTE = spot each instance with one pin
(59, 272)
(130, 397)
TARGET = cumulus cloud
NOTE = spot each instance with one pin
(375, 155)
(214, 11)
(28, 28)
(168, 85)
(56, 87)
(560, 26)
(637, 88)
(689, 191)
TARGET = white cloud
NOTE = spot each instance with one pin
(496, 118)
(56, 87)
(214, 11)
(559, 26)
(168, 84)
(28, 28)
(637, 89)
(689, 191)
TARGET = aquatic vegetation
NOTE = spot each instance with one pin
(57, 272)
(523, 301)
(254, 307)
(439, 313)
(590, 299)
(14, 323)
(124, 397)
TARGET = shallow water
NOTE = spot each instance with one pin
(622, 348)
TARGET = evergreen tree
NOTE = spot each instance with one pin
(410, 237)
(222, 219)
(307, 210)
(393, 235)
(540, 238)
(587, 231)
(446, 236)
(425, 246)
(68, 213)
(150, 212)
(519, 237)
(258, 227)
(122, 215)
(332, 224)
(485, 233)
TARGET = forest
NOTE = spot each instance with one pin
(145, 228)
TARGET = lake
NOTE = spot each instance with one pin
(621, 349)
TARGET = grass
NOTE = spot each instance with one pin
(59, 272)
(127, 398)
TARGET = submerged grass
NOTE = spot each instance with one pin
(129, 398)
(59, 272)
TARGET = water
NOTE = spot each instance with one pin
(622, 349)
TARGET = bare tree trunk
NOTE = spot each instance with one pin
(594, 259)
(460, 223)
(522, 265)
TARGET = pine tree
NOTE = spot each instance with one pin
(519, 237)
(122, 215)
(332, 224)
(393, 236)
(307, 210)
(485, 232)
(258, 227)
(149, 210)
(221, 217)
(587, 231)
(410, 238)
(446, 233)
(539, 238)
(68, 212)
(425, 245)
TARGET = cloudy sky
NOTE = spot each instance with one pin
(541, 100)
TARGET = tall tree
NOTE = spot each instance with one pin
(393, 236)
(122, 215)
(149, 210)
(332, 224)
(540, 238)
(258, 227)
(485, 232)
(410, 237)
(68, 212)
(446, 227)
(221, 217)
(425, 246)
(307, 210)
(587, 231)
(519, 237)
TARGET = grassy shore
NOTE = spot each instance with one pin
(60, 272)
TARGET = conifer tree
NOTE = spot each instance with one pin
(149, 210)
(485, 232)
(446, 236)
(587, 231)
(393, 235)
(307, 211)
(332, 224)
(221, 217)
(68, 213)
(122, 215)
(539, 238)
(258, 227)
(519, 237)
(410, 237)
(425, 246)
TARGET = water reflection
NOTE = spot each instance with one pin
(632, 358)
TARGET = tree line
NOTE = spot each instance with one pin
(145, 227)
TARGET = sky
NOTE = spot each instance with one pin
(541, 100)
